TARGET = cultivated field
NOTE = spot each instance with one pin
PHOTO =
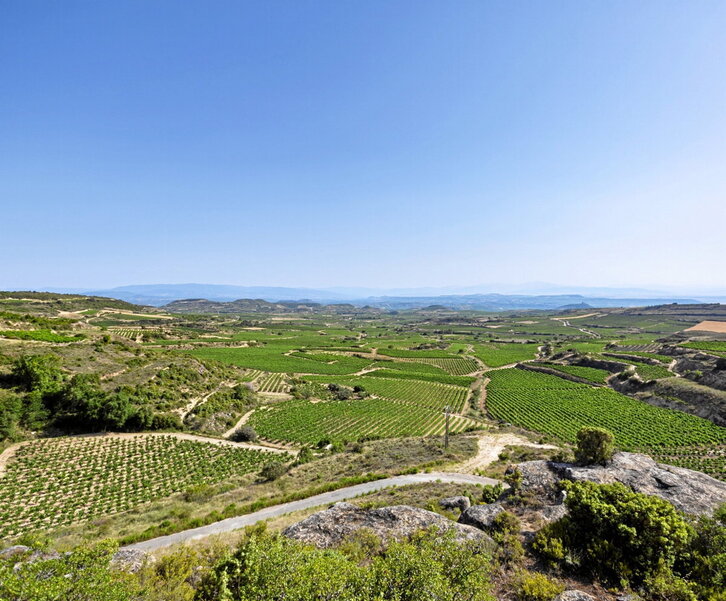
(311, 378)
(709, 326)
(59, 482)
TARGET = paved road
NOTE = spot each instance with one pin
(327, 498)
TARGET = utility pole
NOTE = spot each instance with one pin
(446, 431)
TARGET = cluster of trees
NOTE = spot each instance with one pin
(42, 395)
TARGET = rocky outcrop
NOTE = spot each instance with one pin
(551, 513)
(130, 560)
(481, 516)
(690, 491)
(611, 366)
(539, 478)
(14, 551)
(542, 368)
(462, 503)
(681, 394)
(574, 595)
(331, 527)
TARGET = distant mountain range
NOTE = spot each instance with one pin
(397, 299)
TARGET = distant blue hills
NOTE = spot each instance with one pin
(400, 299)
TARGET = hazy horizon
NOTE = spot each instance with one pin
(381, 145)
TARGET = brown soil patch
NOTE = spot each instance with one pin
(708, 326)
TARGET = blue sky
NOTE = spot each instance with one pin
(383, 144)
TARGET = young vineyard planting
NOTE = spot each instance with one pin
(57, 482)
(273, 383)
(552, 405)
(312, 422)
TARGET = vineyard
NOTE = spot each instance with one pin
(274, 359)
(429, 394)
(40, 335)
(651, 372)
(312, 422)
(662, 358)
(273, 383)
(497, 355)
(592, 374)
(717, 346)
(56, 482)
(455, 366)
(552, 405)
(465, 381)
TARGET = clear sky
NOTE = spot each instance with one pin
(349, 143)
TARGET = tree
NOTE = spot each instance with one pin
(115, 412)
(38, 372)
(594, 445)
(11, 410)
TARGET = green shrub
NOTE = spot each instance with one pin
(273, 471)
(506, 522)
(619, 535)
(491, 494)
(82, 575)
(304, 456)
(594, 445)
(533, 586)
(245, 434)
(429, 567)
(513, 477)
(667, 587)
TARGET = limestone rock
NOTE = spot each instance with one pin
(552, 513)
(330, 527)
(688, 490)
(130, 560)
(463, 503)
(481, 516)
(13, 551)
(540, 478)
(574, 595)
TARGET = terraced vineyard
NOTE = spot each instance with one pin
(465, 381)
(250, 375)
(429, 394)
(662, 358)
(497, 355)
(713, 345)
(651, 372)
(57, 482)
(555, 406)
(593, 374)
(273, 383)
(130, 334)
(312, 422)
